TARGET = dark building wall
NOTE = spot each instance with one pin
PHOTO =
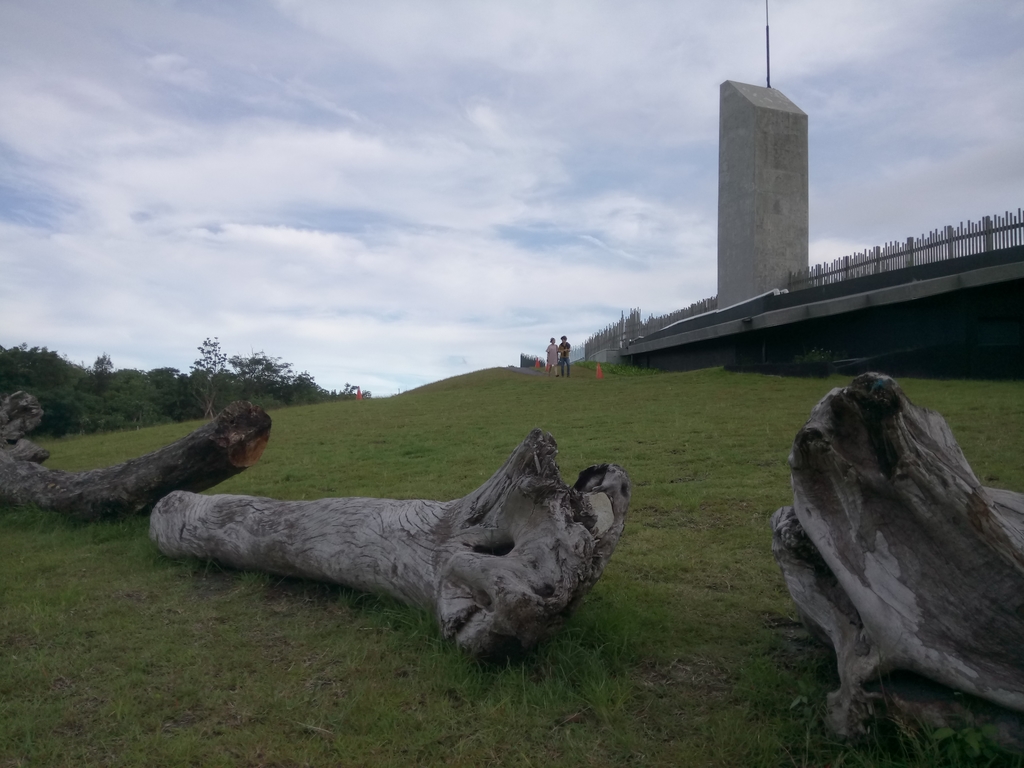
(867, 284)
(968, 333)
(689, 357)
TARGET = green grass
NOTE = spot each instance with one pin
(618, 369)
(111, 654)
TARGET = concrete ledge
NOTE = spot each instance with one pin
(612, 356)
(896, 294)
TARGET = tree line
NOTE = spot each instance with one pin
(79, 399)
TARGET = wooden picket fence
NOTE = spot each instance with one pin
(989, 234)
(616, 335)
(529, 361)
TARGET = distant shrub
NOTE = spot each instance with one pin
(816, 356)
(617, 369)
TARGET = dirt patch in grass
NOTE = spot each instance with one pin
(698, 675)
(211, 583)
(301, 591)
(690, 478)
(699, 520)
(795, 647)
(131, 595)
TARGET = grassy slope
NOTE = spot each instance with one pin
(112, 654)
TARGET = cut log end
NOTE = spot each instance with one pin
(245, 454)
(242, 431)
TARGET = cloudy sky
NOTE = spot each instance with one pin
(391, 193)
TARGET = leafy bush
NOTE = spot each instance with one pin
(816, 356)
(617, 369)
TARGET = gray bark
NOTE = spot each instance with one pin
(25, 450)
(20, 414)
(211, 454)
(500, 568)
(897, 556)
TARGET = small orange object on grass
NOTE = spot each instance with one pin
(600, 373)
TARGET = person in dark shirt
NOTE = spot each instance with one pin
(563, 358)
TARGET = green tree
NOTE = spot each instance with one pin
(209, 376)
(305, 390)
(101, 373)
(262, 378)
(36, 369)
(172, 394)
(53, 379)
(63, 412)
(351, 391)
(270, 381)
(130, 400)
(76, 398)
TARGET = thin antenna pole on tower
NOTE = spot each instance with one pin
(767, 45)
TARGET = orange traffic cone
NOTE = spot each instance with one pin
(359, 393)
(600, 373)
(536, 363)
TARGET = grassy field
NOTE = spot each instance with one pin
(684, 654)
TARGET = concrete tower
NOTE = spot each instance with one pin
(762, 191)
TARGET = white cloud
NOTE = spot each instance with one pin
(176, 70)
(387, 194)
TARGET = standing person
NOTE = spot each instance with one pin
(563, 357)
(552, 351)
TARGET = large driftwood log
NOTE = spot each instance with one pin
(211, 454)
(500, 568)
(896, 554)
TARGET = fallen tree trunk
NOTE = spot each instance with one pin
(896, 554)
(211, 454)
(500, 568)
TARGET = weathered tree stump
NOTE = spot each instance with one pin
(211, 454)
(20, 414)
(897, 556)
(500, 568)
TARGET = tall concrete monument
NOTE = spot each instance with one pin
(762, 191)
